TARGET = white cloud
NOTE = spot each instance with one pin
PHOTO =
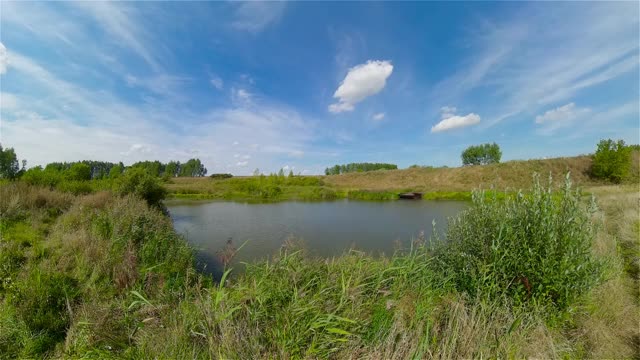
(100, 126)
(566, 112)
(378, 117)
(340, 107)
(240, 96)
(255, 16)
(137, 149)
(519, 71)
(247, 157)
(125, 27)
(362, 81)
(235, 143)
(217, 82)
(242, 163)
(4, 59)
(8, 101)
(451, 121)
(560, 117)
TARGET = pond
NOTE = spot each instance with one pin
(324, 228)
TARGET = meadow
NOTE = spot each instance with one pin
(544, 273)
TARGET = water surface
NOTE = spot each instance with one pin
(325, 228)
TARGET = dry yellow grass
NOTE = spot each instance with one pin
(508, 175)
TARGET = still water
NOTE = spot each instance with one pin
(324, 228)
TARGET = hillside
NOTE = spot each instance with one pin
(511, 174)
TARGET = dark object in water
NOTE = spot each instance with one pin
(411, 195)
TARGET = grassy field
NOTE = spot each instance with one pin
(106, 276)
(436, 183)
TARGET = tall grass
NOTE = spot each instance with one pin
(522, 275)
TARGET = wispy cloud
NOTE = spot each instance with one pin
(378, 117)
(524, 63)
(44, 132)
(216, 81)
(255, 16)
(123, 24)
(3, 59)
(560, 117)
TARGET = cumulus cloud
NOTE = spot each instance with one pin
(362, 81)
(242, 163)
(4, 59)
(378, 117)
(452, 121)
(566, 112)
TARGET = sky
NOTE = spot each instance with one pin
(306, 85)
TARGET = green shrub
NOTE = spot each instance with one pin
(78, 172)
(534, 246)
(220, 176)
(612, 160)
(138, 182)
(36, 176)
(75, 187)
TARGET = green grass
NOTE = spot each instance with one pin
(106, 276)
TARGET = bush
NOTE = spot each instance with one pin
(220, 176)
(138, 182)
(612, 160)
(78, 172)
(534, 246)
(36, 176)
(482, 154)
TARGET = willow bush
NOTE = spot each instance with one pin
(533, 246)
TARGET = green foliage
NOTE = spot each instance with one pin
(530, 247)
(193, 168)
(78, 172)
(140, 183)
(50, 177)
(154, 168)
(358, 167)
(116, 171)
(481, 154)
(221, 176)
(42, 303)
(9, 165)
(612, 160)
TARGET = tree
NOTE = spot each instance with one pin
(9, 165)
(78, 172)
(612, 160)
(116, 171)
(256, 172)
(481, 154)
(281, 173)
(193, 168)
(172, 169)
(139, 182)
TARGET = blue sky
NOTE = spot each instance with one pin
(307, 85)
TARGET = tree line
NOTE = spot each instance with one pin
(91, 170)
(358, 167)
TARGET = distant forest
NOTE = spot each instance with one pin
(92, 170)
(358, 167)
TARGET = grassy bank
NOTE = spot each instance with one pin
(435, 183)
(105, 276)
